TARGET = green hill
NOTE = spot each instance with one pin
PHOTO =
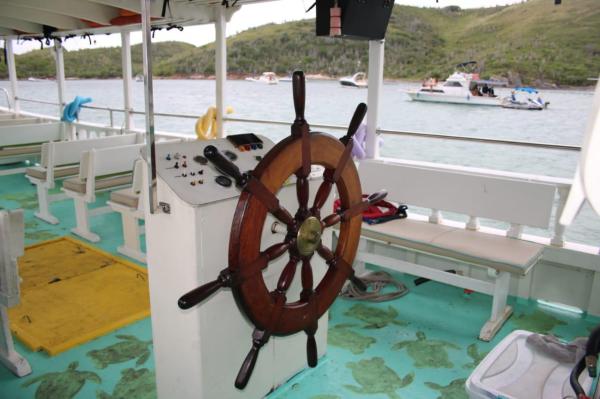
(531, 42)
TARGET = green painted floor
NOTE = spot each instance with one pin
(422, 346)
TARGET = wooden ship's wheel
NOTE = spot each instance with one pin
(268, 310)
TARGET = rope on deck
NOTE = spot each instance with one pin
(377, 281)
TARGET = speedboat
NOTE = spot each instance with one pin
(525, 98)
(359, 79)
(267, 78)
(459, 88)
(202, 213)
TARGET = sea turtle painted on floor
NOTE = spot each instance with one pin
(138, 384)
(343, 336)
(375, 377)
(374, 317)
(473, 353)
(64, 385)
(129, 348)
(539, 322)
(426, 352)
(455, 390)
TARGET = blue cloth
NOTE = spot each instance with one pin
(71, 111)
(529, 90)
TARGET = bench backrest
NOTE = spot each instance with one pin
(59, 153)
(30, 134)
(506, 199)
(108, 161)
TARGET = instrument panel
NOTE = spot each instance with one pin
(185, 169)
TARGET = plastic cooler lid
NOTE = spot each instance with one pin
(515, 370)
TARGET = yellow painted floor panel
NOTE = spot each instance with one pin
(86, 294)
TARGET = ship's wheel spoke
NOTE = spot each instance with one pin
(326, 254)
(270, 201)
(355, 209)
(275, 251)
(330, 177)
(306, 276)
(302, 192)
(287, 276)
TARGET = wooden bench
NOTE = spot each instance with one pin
(468, 192)
(99, 170)
(129, 202)
(60, 159)
(22, 142)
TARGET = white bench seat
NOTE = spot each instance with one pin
(475, 193)
(41, 173)
(130, 204)
(101, 169)
(60, 159)
(79, 185)
(126, 197)
(20, 150)
(502, 253)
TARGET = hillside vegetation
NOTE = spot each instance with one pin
(533, 42)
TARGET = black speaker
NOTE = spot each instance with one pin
(361, 19)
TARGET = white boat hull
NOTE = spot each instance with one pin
(454, 99)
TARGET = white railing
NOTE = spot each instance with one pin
(91, 130)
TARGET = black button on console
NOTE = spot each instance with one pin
(223, 181)
(231, 155)
(200, 159)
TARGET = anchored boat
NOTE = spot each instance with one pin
(241, 257)
(359, 79)
(267, 78)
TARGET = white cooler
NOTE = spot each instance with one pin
(515, 370)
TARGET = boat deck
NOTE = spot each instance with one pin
(373, 349)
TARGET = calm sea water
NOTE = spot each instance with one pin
(328, 102)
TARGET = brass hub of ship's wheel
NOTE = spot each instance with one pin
(309, 236)
(269, 310)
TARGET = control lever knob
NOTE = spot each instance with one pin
(225, 165)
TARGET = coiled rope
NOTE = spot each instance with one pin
(377, 281)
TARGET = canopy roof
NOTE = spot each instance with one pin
(59, 18)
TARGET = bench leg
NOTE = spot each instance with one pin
(131, 238)
(359, 266)
(44, 205)
(500, 311)
(8, 355)
(82, 215)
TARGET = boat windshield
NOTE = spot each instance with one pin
(452, 83)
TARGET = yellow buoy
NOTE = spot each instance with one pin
(206, 125)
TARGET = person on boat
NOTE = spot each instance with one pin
(485, 90)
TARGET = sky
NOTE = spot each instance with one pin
(249, 16)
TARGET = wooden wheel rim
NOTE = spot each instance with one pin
(251, 292)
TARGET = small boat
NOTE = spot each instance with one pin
(139, 77)
(459, 88)
(526, 98)
(359, 79)
(267, 77)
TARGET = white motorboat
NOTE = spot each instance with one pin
(267, 78)
(459, 88)
(359, 79)
(525, 98)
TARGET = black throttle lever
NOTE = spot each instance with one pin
(225, 165)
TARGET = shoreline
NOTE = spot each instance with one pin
(309, 77)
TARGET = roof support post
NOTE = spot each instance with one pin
(149, 105)
(220, 66)
(12, 74)
(60, 75)
(126, 68)
(376, 52)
